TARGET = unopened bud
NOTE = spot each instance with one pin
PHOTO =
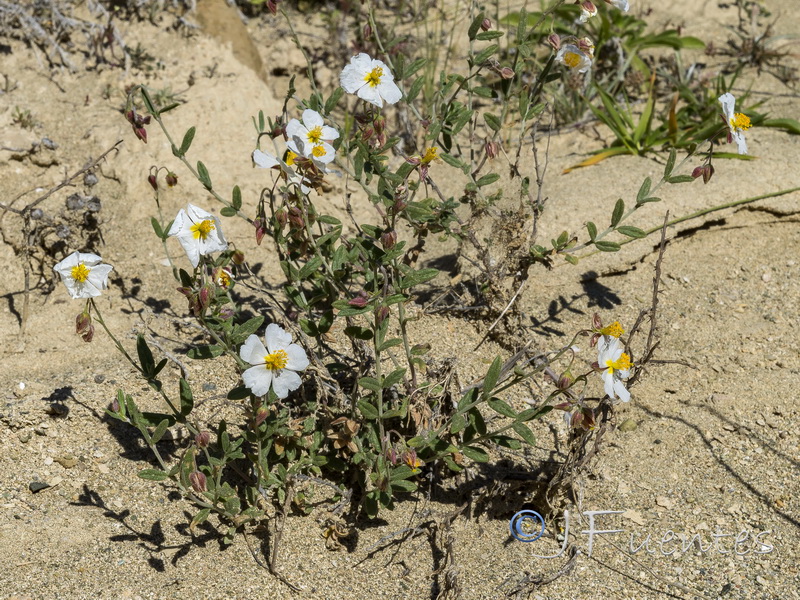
(708, 172)
(151, 179)
(597, 322)
(381, 314)
(554, 40)
(82, 322)
(367, 133)
(198, 481)
(492, 149)
(486, 25)
(296, 218)
(261, 415)
(237, 257)
(367, 31)
(359, 301)
(399, 205)
(564, 382)
(698, 171)
(261, 230)
(389, 239)
(88, 335)
(115, 406)
(202, 439)
(205, 296)
(172, 179)
(506, 72)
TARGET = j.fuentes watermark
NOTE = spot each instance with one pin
(528, 526)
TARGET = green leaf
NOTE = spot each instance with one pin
(632, 232)
(157, 227)
(607, 246)
(458, 423)
(492, 375)
(475, 26)
(159, 432)
(475, 453)
(239, 393)
(205, 352)
(393, 378)
(370, 383)
(187, 141)
(310, 267)
(414, 67)
(202, 175)
(492, 121)
(241, 332)
(360, 333)
(485, 36)
(454, 162)
(487, 179)
(403, 485)
(145, 357)
(616, 216)
(481, 57)
(333, 100)
(199, 518)
(368, 410)
(789, 125)
(524, 432)
(227, 211)
(148, 102)
(680, 179)
(592, 229)
(389, 344)
(417, 277)
(416, 88)
(646, 200)
(643, 191)
(670, 163)
(153, 474)
(236, 198)
(401, 472)
(187, 398)
(499, 406)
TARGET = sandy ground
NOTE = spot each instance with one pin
(714, 453)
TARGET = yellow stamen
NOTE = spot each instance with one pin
(290, 156)
(276, 361)
(318, 151)
(740, 122)
(374, 77)
(623, 363)
(224, 279)
(80, 273)
(202, 229)
(315, 135)
(614, 330)
(571, 59)
(430, 155)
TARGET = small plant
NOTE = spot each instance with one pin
(24, 118)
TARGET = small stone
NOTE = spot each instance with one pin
(628, 425)
(40, 431)
(766, 277)
(760, 580)
(37, 486)
(665, 502)
(67, 461)
(103, 468)
(209, 387)
(99, 378)
(25, 436)
(48, 460)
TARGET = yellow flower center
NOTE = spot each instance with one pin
(374, 77)
(740, 122)
(224, 279)
(202, 229)
(315, 135)
(276, 361)
(431, 154)
(290, 156)
(80, 273)
(318, 151)
(614, 330)
(623, 363)
(571, 59)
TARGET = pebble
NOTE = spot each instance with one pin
(99, 378)
(67, 461)
(24, 436)
(37, 486)
(628, 425)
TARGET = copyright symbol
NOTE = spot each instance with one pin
(526, 526)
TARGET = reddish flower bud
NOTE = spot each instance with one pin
(359, 301)
(597, 322)
(367, 31)
(172, 179)
(205, 296)
(554, 40)
(698, 171)
(389, 239)
(486, 25)
(381, 314)
(151, 179)
(237, 257)
(198, 481)
(82, 322)
(202, 439)
(708, 173)
(261, 230)
(88, 335)
(296, 218)
(114, 406)
(261, 415)
(506, 72)
(492, 149)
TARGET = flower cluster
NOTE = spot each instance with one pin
(578, 53)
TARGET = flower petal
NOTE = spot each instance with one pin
(728, 103)
(312, 119)
(277, 338)
(253, 351)
(285, 381)
(298, 361)
(621, 391)
(608, 384)
(179, 223)
(389, 90)
(296, 128)
(370, 94)
(98, 276)
(264, 160)
(329, 133)
(738, 137)
(257, 380)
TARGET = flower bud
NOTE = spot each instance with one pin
(296, 218)
(82, 322)
(554, 40)
(708, 173)
(205, 296)
(261, 230)
(698, 171)
(597, 322)
(88, 335)
(486, 25)
(359, 301)
(226, 313)
(237, 257)
(172, 179)
(586, 46)
(492, 149)
(261, 415)
(389, 239)
(367, 31)
(367, 133)
(381, 314)
(399, 205)
(114, 406)
(202, 439)
(198, 481)
(564, 382)
(151, 179)
(506, 72)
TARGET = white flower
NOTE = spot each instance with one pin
(738, 123)
(616, 366)
(275, 364)
(83, 274)
(264, 160)
(310, 138)
(198, 232)
(571, 56)
(371, 80)
(620, 4)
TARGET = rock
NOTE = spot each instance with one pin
(628, 425)
(67, 461)
(37, 486)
